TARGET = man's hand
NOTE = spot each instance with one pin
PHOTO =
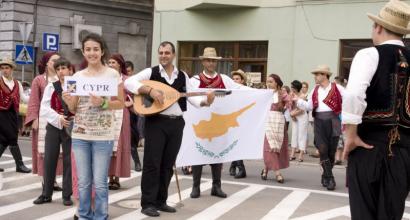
(65, 123)
(353, 141)
(157, 95)
(34, 125)
(96, 100)
(210, 97)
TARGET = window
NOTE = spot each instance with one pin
(249, 56)
(348, 49)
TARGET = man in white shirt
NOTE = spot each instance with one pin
(376, 115)
(163, 131)
(11, 93)
(325, 102)
(209, 78)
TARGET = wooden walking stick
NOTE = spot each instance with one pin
(176, 178)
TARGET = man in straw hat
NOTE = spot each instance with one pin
(163, 131)
(209, 78)
(325, 102)
(377, 118)
(239, 77)
(11, 92)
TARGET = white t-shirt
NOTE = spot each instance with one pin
(94, 123)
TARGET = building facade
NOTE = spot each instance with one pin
(126, 25)
(287, 37)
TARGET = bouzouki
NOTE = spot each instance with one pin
(145, 105)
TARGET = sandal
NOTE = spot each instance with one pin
(114, 186)
(279, 178)
(292, 158)
(264, 174)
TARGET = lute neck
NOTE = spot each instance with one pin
(190, 94)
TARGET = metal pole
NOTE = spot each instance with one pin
(22, 73)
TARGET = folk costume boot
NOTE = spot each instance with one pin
(232, 168)
(196, 176)
(136, 159)
(20, 167)
(216, 181)
(2, 149)
(329, 178)
(241, 170)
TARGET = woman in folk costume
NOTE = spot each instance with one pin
(275, 149)
(11, 93)
(120, 161)
(48, 75)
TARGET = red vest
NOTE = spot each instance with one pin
(333, 99)
(214, 83)
(55, 104)
(9, 97)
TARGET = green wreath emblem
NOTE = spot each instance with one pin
(211, 154)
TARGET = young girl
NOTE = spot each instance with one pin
(93, 130)
(275, 150)
(56, 112)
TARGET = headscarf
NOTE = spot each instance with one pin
(42, 66)
(120, 60)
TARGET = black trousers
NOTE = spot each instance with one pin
(55, 137)
(216, 170)
(9, 127)
(325, 137)
(378, 183)
(163, 137)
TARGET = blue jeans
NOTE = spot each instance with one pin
(92, 160)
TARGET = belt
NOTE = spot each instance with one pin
(169, 116)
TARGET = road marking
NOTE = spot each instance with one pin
(18, 177)
(287, 206)
(12, 161)
(9, 155)
(13, 169)
(328, 214)
(173, 200)
(112, 198)
(217, 210)
(7, 209)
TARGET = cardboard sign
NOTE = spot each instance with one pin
(254, 77)
(84, 86)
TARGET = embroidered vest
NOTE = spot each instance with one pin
(388, 96)
(9, 98)
(333, 99)
(179, 84)
(214, 83)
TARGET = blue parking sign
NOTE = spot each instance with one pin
(51, 42)
(24, 54)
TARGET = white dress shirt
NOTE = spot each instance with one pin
(46, 111)
(228, 82)
(322, 94)
(10, 83)
(132, 84)
(363, 68)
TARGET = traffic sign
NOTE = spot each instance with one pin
(24, 54)
(51, 42)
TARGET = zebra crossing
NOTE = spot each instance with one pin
(245, 200)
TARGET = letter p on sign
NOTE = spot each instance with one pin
(51, 42)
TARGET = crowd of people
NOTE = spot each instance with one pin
(366, 122)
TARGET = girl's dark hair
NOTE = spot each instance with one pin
(62, 62)
(296, 84)
(97, 38)
(120, 60)
(277, 80)
(42, 66)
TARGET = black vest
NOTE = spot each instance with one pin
(179, 84)
(388, 95)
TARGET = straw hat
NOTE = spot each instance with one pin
(394, 16)
(7, 61)
(322, 69)
(239, 72)
(210, 53)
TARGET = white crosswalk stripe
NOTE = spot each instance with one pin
(289, 205)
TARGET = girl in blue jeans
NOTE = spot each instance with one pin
(93, 130)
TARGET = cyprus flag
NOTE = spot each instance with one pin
(233, 128)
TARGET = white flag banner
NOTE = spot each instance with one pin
(233, 128)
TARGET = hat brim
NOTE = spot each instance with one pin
(388, 25)
(9, 64)
(239, 73)
(211, 58)
(322, 71)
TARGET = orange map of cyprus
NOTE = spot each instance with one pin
(218, 125)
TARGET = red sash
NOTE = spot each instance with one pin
(333, 99)
(215, 83)
(9, 97)
(55, 104)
